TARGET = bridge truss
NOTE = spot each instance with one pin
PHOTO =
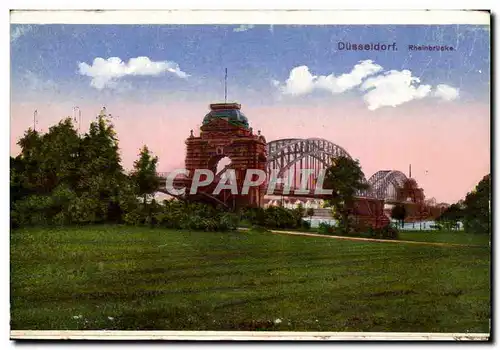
(295, 154)
(316, 154)
(384, 184)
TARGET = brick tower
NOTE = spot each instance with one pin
(225, 132)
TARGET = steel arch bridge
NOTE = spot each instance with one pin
(295, 154)
(318, 153)
(284, 153)
(384, 184)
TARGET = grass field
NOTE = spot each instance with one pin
(113, 277)
(434, 236)
(458, 237)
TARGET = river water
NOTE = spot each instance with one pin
(413, 226)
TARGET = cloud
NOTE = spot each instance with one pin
(243, 28)
(446, 92)
(301, 81)
(380, 89)
(19, 31)
(349, 80)
(393, 88)
(106, 72)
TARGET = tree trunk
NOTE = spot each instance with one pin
(345, 217)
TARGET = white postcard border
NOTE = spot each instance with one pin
(241, 335)
(310, 17)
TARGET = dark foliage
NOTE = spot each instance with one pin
(449, 219)
(62, 178)
(474, 211)
(387, 232)
(398, 212)
(345, 177)
(274, 217)
(477, 213)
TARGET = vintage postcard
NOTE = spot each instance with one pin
(309, 175)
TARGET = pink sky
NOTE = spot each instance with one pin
(448, 144)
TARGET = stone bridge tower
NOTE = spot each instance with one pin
(225, 132)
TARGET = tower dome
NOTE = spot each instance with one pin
(227, 111)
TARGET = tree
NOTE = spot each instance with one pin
(451, 216)
(44, 174)
(100, 149)
(30, 151)
(300, 210)
(310, 213)
(60, 177)
(345, 177)
(144, 174)
(398, 212)
(477, 212)
(60, 156)
(17, 190)
(102, 180)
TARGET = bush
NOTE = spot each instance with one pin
(196, 222)
(254, 215)
(387, 232)
(273, 217)
(85, 210)
(181, 215)
(390, 232)
(360, 226)
(44, 209)
(31, 210)
(326, 228)
(133, 218)
(229, 221)
(348, 226)
(278, 217)
(306, 225)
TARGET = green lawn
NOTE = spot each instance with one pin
(459, 237)
(112, 277)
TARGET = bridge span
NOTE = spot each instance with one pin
(293, 155)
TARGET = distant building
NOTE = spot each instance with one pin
(292, 203)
